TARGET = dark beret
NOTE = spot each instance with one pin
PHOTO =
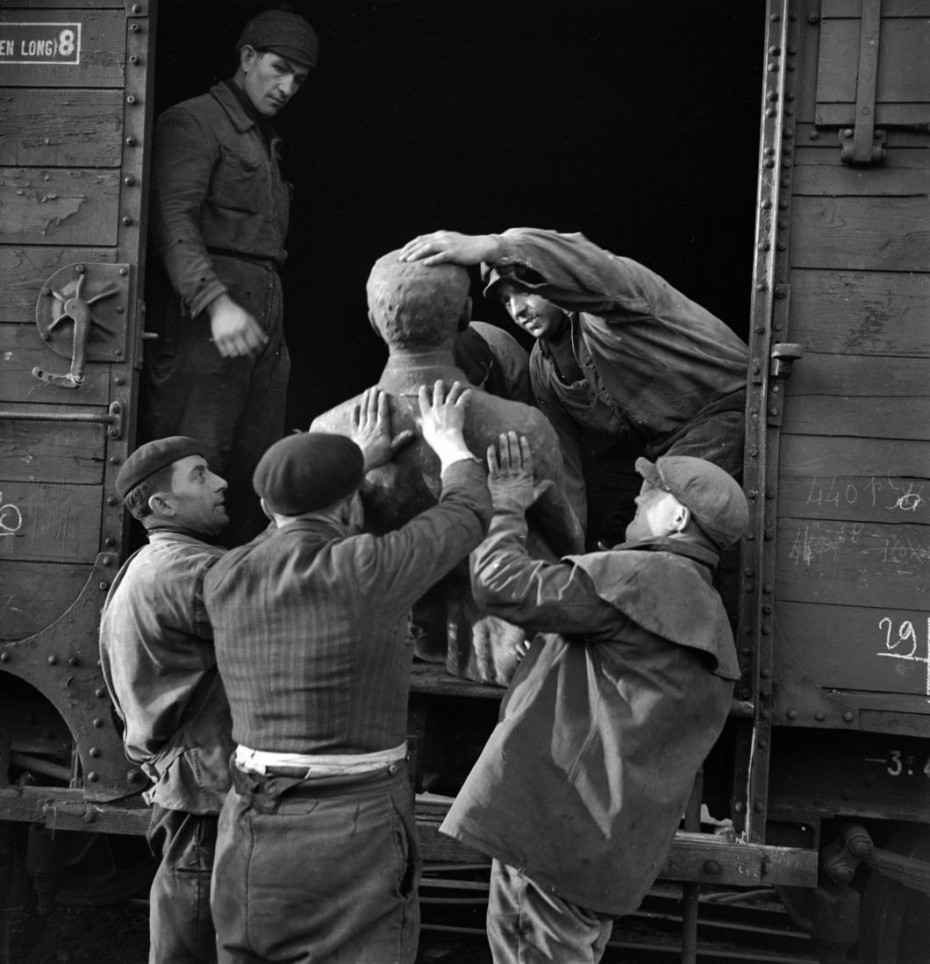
(287, 34)
(151, 457)
(303, 473)
(714, 497)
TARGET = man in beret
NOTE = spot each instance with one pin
(157, 657)
(318, 856)
(622, 362)
(220, 212)
(583, 782)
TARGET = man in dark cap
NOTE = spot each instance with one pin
(219, 219)
(317, 856)
(156, 653)
(581, 787)
(622, 361)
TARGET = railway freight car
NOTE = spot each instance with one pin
(770, 159)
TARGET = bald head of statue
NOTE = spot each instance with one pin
(413, 306)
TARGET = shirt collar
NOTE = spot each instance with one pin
(679, 547)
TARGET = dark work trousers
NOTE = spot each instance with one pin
(180, 925)
(316, 872)
(234, 406)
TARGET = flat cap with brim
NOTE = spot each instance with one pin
(714, 497)
(303, 473)
(283, 33)
(151, 458)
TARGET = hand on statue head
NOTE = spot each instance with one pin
(450, 247)
(371, 430)
(442, 419)
(235, 332)
(511, 473)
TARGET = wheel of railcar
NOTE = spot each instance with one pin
(894, 919)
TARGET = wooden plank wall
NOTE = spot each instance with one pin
(61, 149)
(853, 570)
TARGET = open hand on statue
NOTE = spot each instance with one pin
(371, 430)
(235, 332)
(511, 472)
(450, 247)
(442, 419)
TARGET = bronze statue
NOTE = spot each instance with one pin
(418, 312)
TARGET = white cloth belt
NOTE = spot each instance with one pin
(328, 765)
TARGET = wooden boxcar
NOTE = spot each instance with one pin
(771, 159)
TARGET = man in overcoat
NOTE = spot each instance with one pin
(583, 782)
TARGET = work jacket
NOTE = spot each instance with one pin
(652, 363)
(216, 187)
(584, 780)
(158, 662)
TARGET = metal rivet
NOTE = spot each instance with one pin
(820, 715)
(848, 717)
(104, 585)
(109, 541)
(52, 660)
(770, 112)
(94, 752)
(92, 777)
(133, 59)
(112, 500)
(773, 410)
(753, 453)
(119, 381)
(4, 657)
(130, 141)
(134, 27)
(98, 722)
(123, 272)
(792, 714)
(752, 493)
(131, 99)
(761, 286)
(773, 68)
(100, 691)
(750, 572)
(126, 219)
(760, 329)
(758, 806)
(129, 181)
(767, 588)
(711, 867)
(73, 661)
(813, 17)
(765, 205)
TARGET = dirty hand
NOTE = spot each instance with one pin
(235, 331)
(442, 418)
(371, 430)
(511, 473)
(450, 247)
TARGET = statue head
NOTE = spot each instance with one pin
(417, 307)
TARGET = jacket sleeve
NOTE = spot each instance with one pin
(400, 566)
(554, 597)
(570, 271)
(182, 167)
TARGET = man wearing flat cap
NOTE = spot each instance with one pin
(220, 208)
(579, 791)
(157, 657)
(317, 858)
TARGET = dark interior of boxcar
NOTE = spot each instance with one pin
(634, 123)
